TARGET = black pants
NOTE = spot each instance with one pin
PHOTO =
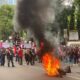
(17, 58)
(33, 59)
(2, 60)
(20, 61)
(75, 60)
(10, 59)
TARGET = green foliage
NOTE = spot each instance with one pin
(62, 19)
(77, 2)
(67, 18)
(72, 23)
(6, 16)
(77, 5)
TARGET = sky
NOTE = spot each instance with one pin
(68, 2)
(8, 2)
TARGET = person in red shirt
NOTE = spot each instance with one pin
(20, 55)
(14, 50)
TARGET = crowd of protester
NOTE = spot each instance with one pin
(70, 54)
(19, 54)
(31, 55)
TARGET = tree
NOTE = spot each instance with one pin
(62, 19)
(68, 18)
(77, 4)
(72, 18)
(6, 16)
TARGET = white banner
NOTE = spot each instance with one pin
(27, 45)
(73, 35)
(7, 44)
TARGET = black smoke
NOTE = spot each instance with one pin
(32, 14)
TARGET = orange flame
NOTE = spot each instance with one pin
(51, 64)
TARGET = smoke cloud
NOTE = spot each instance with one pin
(35, 15)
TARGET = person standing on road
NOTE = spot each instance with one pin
(10, 56)
(0, 55)
(20, 55)
(3, 57)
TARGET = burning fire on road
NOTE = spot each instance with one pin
(51, 64)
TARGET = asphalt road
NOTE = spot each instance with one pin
(27, 72)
